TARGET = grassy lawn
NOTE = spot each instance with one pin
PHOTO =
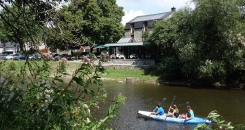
(123, 73)
(110, 73)
(71, 66)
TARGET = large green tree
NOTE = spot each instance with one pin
(86, 22)
(208, 42)
(22, 21)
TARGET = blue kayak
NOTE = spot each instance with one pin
(195, 120)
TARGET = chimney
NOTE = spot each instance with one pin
(173, 9)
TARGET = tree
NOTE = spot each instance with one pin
(207, 43)
(215, 26)
(89, 22)
(163, 40)
(21, 22)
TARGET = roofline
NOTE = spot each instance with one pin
(148, 15)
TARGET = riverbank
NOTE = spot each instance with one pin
(121, 73)
(135, 73)
(113, 72)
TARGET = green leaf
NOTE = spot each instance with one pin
(78, 81)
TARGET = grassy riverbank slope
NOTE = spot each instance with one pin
(111, 72)
(144, 75)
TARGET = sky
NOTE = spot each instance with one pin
(133, 8)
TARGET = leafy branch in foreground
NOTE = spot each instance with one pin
(37, 99)
(221, 124)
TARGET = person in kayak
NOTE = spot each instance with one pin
(158, 110)
(188, 114)
(175, 111)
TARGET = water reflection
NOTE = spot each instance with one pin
(143, 96)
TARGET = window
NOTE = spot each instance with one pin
(132, 28)
(145, 26)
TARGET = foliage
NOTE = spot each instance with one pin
(206, 43)
(221, 124)
(19, 23)
(33, 95)
(76, 23)
(43, 100)
(85, 22)
(162, 38)
(169, 68)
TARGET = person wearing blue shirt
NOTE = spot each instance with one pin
(189, 114)
(159, 110)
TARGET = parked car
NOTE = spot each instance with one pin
(16, 56)
(53, 55)
(46, 57)
(33, 57)
(39, 56)
(57, 57)
(3, 56)
(22, 57)
(9, 57)
(68, 57)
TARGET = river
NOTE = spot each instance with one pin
(145, 96)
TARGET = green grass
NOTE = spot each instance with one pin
(71, 66)
(143, 75)
(111, 72)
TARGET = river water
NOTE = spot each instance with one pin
(145, 96)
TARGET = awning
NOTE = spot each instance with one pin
(124, 44)
(101, 46)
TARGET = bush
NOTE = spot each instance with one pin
(39, 99)
(221, 124)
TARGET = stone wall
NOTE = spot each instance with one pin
(127, 33)
(137, 34)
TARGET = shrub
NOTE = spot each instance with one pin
(221, 124)
(39, 99)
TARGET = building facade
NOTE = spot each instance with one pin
(136, 27)
(9, 48)
(132, 44)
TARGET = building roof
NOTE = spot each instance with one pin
(151, 17)
(125, 40)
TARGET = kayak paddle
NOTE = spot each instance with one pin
(171, 103)
(163, 101)
(160, 103)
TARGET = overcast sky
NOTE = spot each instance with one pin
(133, 8)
